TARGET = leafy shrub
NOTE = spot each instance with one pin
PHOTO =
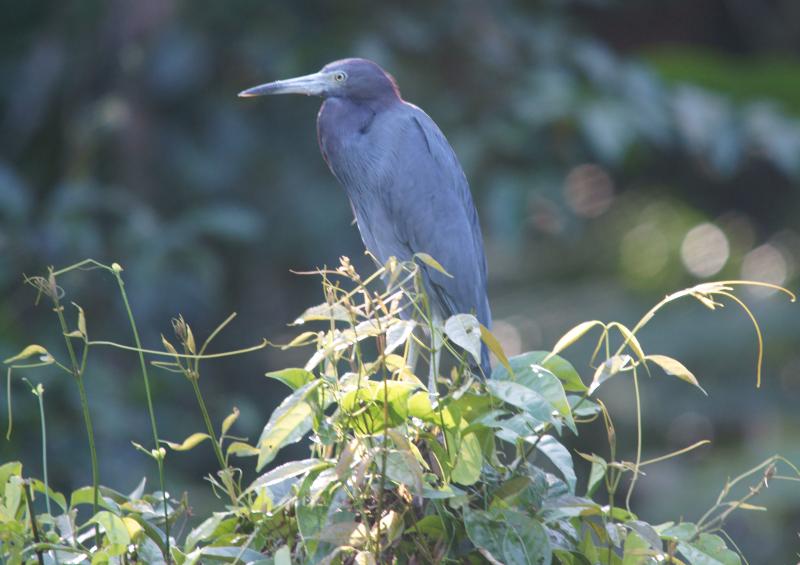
(464, 470)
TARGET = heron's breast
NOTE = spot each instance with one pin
(357, 148)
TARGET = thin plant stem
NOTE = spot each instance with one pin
(34, 527)
(39, 396)
(150, 410)
(77, 373)
(217, 449)
(638, 441)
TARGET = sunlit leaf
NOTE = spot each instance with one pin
(81, 320)
(538, 378)
(574, 335)
(189, 443)
(465, 331)
(676, 369)
(293, 378)
(494, 346)
(397, 334)
(283, 472)
(324, 312)
(116, 531)
(305, 338)
(229, 420)
(354, 534)
(288, 424)
(608, 369)
(468, 461)
(28, 352)
(522, 397)
(630, 339)
(431, 262)
(241, 449)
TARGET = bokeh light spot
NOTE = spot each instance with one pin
(509, 337)
(644, 251)
(765, 263)
(589, 190)
(705, 250)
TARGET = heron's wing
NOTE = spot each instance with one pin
(430, 205)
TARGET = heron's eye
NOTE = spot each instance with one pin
(341, 76)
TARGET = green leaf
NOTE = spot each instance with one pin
(647, 533)
(527, 372)
(228, 554)
(419, 406)
(596, 474)
(283, 556)
(241, 449)
(521, 397)
(431, 526)
(636, 551)
(367, 402)
(204, 531)
(684, 531)
(560, 457)
(402, 467)
(468, 460)
(288, 424)
(293, 378)
(508, 536)
(8, 470)
(117, 535)
(57, 497)
(431, 262)
(676, 369)
(708, 549)
(189, 443)
(465, 331)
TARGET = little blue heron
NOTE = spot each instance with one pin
(406, 187)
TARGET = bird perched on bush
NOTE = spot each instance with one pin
(405, 184)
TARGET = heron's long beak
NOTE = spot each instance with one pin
(310, 85)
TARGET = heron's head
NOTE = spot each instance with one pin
(356, 79)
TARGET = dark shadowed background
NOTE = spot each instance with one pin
(617, 151)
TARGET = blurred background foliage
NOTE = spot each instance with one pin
(617, 151)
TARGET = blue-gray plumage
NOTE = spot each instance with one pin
(405, 184)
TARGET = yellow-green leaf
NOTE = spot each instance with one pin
(630, 339)
(305, 338)
(494, 346)
(190, 442)
(431, 262)
(676, 369)
(241, 449)
(608, 369)
(229, 420)
(26, 353)
(133, 527)
(81, 320)
(574, 335)
(468, 461)
(168, 346)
